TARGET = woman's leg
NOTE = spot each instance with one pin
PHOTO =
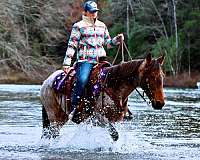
(83, 71)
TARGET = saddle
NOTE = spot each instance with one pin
(64, 82)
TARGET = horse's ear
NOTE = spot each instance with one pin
(148, 58)
(161, 59)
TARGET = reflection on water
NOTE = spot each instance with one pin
(172, 133)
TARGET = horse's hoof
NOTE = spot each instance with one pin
(115, 136)
(128, 117)
(46, 136)
(49, 136)
(113, 133)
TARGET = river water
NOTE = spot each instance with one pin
(170, 134)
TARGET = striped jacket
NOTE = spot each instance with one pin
(88, 38)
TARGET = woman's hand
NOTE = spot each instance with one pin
(66, 69)
(118, 39)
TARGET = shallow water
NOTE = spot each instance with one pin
(172, 133)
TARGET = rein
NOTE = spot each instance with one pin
(122, 45)
(142, 96)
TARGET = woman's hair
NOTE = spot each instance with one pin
(84, 12)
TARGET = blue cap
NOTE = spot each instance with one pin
(90, 6)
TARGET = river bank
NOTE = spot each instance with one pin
(182, 80)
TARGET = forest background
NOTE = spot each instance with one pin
(34, 35)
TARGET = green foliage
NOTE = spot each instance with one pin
(36, 47)
(138, 39)
(116, 29)
(168, 48)
(2, 29)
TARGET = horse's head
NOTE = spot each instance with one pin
(152, 80)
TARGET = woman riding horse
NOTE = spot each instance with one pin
(87, 38)
(111, 106)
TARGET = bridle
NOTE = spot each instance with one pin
(146, 89)
(145, 85)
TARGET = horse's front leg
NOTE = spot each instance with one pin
(102, 121)
(113, 132)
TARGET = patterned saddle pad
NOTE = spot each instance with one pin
(59, 84)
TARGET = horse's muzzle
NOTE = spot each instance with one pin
(158, 104)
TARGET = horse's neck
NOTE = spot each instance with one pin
(122, 79)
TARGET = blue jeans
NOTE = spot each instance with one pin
(83, 70)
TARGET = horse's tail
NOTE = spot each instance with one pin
(45, 120)
(45, 124)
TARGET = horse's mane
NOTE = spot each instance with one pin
(123, 70)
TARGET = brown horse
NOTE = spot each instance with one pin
(111, 104)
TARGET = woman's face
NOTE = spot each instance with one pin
(92, 15)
